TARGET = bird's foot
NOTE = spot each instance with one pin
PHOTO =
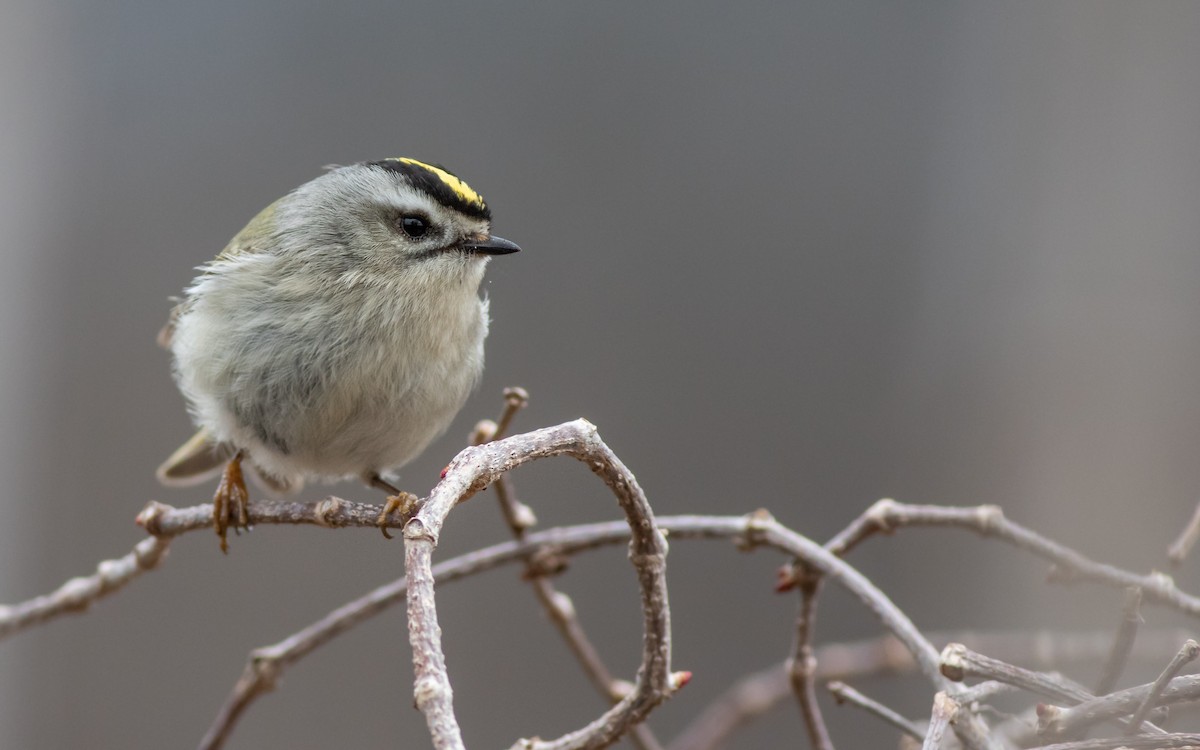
(230, 501)
(407, 503)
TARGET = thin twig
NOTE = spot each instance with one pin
(1067, 721)
(77, 594)
(267, 664)
(959, 662)
(762, 691)
(888, 653)
(539, 566)
(163, 520)
(515, 399)
(759, 528)
(1131, 618)
(747, 699)
(1138, 742)
(945, 709)
(1183, 544)
(988, 520)
(1186, 654)
(884, 516)
(341, 513)
(970, 730)
(802, 666)
(846, 694)
(885, 655)
(473, 469)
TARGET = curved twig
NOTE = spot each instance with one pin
(473, 469)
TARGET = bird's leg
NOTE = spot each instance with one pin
(405, 502)
(230, 501)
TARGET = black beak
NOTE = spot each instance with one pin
(492, 246)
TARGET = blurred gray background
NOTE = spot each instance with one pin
(798, 256)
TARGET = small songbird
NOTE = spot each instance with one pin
(336, 335)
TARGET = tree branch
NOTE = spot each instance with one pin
(540, 567)
(988, 520)
(846, 694)
(77, 594)
(1131, 618)
(472, 470)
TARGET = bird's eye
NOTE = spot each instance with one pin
(414, 226)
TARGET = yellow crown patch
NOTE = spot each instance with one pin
(439, 184)
(460, 188)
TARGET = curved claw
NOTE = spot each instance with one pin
(405, 502)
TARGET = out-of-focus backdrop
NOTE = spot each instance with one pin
(797, 256)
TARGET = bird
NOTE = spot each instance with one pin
(335, 336)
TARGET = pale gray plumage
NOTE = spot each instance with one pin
(326, 341)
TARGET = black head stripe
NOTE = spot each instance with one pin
(440, 184)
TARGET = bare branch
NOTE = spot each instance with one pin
(540, 566)
(763, 529)
(945, 710)
(1139, 742)
(1131, 617)
(332, 513)
(756, 693)
(544, 555)
(1183, 544)
(846, 694)
(515, 399)
(988, 520)
(802, 666)
(77, 594)
(960, 662)
(748, 698)
(267, 664)
(1186, 654)
(472, 470)
(761, 691)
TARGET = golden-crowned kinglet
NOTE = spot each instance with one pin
(336, 335)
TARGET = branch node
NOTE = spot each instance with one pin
(880, 513)
(266, 670)
(149, 552)
(516, 397)
(990, 517)
(416, 529)
(563, 604)
(1047, 717)
(326, 512)
(485, 430)
(953, 662)
(546, 562)
(523, 517)
(1162, 583)
(78, 593)
(425, 689)
(107, 573)
(150, 516)
(757, 523)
